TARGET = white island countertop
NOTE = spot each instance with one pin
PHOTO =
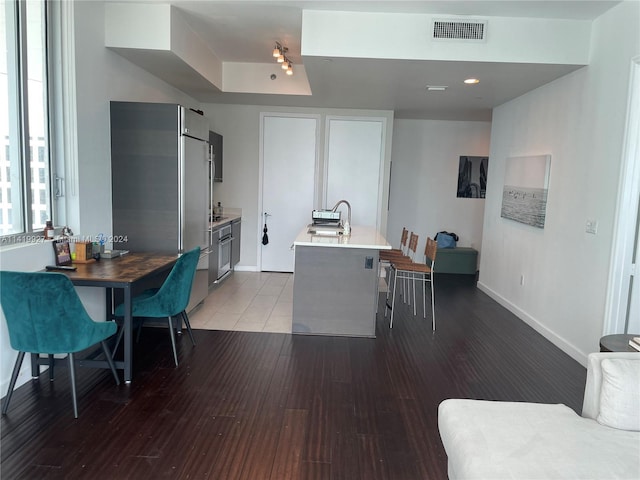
(360, 237)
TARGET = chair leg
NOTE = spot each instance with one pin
(52, 362)
(12, 383)
(386, 300)
(173, 340)
(139, 330)
(433, 304)
(413, 278)
(424, 295)
(72, 374)
(405, 289)
(186, 322)
(378, 284)
(120, 335)
(112, 366)
(393, 299)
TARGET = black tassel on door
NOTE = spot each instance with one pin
(265, 237)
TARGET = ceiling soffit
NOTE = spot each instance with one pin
(347, 62)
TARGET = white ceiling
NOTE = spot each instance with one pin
(245, 31)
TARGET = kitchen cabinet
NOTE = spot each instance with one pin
(236, 229)
(220, 253)
(214, 249)
(224, 246)
(215, 142)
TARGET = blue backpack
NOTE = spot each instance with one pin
(446, 239)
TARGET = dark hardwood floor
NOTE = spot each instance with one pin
(276, 406)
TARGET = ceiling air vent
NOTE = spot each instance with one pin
(473, 30)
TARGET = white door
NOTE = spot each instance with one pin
(633, 320)
(289, 146)
(354, 167)
(623, 295)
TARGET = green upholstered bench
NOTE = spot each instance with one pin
(462, 260)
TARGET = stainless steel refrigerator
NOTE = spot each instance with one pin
(161, 182)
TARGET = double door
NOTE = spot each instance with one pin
(301, 172)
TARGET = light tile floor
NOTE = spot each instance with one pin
(248, 301)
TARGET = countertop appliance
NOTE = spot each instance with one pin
(325, 217)
(326, 222)
(161, 176)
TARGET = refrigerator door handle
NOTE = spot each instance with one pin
(212, 175)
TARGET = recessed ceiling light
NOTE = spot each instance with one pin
(471, 81)
(436, 88)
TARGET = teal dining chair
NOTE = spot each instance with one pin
(45, 316)
(168, 302)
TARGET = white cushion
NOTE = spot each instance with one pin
(510, 440)
(591, 404)
(620, 394)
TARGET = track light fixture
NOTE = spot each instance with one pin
(279, 53)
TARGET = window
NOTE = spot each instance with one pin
(24, 121)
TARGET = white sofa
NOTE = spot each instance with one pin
(498, 440)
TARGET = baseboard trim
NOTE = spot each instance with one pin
(558, 341)
(244, 268)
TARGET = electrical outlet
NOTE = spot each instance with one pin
(592, 226)
(521, 279)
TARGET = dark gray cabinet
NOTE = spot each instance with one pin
(214, 254)
(215, 141)
(236, 230)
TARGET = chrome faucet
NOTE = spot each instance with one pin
(347, 225)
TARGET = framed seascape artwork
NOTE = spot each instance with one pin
(526, 184)
(472, 177)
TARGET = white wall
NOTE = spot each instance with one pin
(536, 40)
(240, 127)
(101, 76)
(424, 180)
(579, 120)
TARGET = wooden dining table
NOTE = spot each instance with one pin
(130, 273)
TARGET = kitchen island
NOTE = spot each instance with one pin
(335, 282)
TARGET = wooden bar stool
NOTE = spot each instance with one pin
(412, 271)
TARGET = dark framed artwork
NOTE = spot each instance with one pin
(526, 186)
(472, 177)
